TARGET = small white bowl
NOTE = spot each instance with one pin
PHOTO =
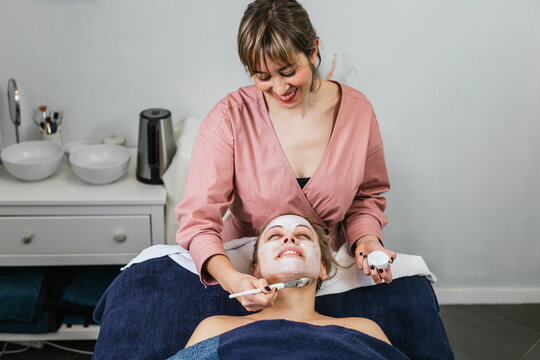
(100, 163)
(32, 160)
(73, 146)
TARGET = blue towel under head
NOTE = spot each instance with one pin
(283, 339)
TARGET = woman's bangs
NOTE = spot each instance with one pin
(276, 49)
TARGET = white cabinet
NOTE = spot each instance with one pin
(74, 235)
(63, 220)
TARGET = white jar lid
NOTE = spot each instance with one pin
(378, 259)
(114, 140)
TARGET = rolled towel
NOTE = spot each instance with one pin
(22, 293)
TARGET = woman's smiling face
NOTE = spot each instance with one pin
(288, 250)
(285, 84)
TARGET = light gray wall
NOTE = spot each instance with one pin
(455, 84)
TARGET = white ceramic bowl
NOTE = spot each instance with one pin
(100, 163)
(73, 146)
(32, 160)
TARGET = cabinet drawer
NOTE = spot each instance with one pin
(74, 234)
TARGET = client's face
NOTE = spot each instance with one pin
(289, 249)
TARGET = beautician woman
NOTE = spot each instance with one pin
(291, 143)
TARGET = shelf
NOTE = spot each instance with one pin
(75, 332)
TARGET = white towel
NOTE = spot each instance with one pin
(351, 278)
(241, 250)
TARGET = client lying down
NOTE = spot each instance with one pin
(289, 248)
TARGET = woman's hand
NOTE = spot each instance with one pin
(233, 281)
(254, 302)
(366, 245)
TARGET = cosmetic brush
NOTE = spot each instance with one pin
(43, 110)
(62, 112)
(297, 283)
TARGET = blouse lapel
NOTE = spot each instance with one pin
(303, 193)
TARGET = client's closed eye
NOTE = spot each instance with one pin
(303, 235)
(274, 236)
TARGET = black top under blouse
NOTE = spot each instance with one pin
(302, 181)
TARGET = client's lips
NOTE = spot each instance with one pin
(290, 251)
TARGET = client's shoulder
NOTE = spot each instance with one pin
(216, 325)
(367, 326)
(364, 325)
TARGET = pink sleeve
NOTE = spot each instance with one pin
(366, 214)
(208, 191)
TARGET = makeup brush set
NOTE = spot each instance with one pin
(48, 122)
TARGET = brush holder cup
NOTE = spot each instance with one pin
(55, 137)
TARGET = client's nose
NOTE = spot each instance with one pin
(289, 238)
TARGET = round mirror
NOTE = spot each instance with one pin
(14, 105)
(14, 102)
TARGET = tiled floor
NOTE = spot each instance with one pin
(493, 332)
(476, 332)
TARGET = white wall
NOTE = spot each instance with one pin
(455, 84)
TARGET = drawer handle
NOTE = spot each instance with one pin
(27, 238)
(120, 237)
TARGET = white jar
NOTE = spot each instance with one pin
(114, 140)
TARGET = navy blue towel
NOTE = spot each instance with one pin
(35, 299)
(48, 321)
(22, 293)
(283, 339)
(152, 308)
(89, 284)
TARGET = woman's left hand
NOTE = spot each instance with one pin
(366, 245)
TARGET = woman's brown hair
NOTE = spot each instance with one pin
(327, 257)
(279, 30)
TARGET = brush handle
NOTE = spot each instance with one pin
(256, 291)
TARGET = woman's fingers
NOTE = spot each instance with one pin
(386, 274)
(361, 262)
(259, 301)
(262, 300)
(391, 254)
(366, 268)
(263, 285)
(375, 274)
(388, 278)
(265, 298)
(273, 296)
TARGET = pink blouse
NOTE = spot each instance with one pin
(238, 164)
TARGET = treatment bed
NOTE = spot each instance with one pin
(151, 309)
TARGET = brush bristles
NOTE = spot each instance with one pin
(303, 282)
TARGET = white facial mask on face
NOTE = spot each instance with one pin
(303, 258)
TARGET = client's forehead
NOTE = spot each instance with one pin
(281, 227)
(288, 222)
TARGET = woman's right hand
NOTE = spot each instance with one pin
(233, 281)
(244, 282)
